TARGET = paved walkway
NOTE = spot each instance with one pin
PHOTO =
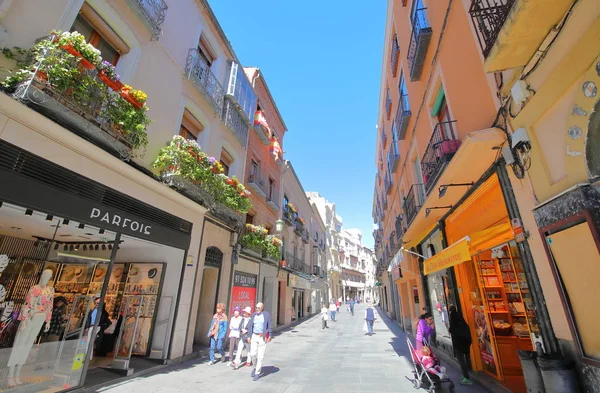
(305, 359)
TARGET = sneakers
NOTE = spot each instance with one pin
(229, 364)
(253, 373)
(211, 362)
(224, 359)
(465, 381)
(248, 364)
(255, 377)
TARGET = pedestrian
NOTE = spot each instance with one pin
(235, 327)
(425, 329)
(370, 317)
(243, 343)
(352, 307)
(216, 333)
(338, 303)
(332, 310)
(259, 330)
(461, 342)
(324, 317)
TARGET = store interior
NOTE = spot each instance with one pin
(75, 258)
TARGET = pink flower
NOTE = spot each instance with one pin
(36, 292)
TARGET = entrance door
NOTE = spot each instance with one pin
(208, 293)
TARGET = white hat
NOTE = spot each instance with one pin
(248, 310)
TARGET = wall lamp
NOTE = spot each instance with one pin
(429, 209)
(444, 187)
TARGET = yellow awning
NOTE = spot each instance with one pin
(457, 253)
(462, 250)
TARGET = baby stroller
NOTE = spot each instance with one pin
(423, 378)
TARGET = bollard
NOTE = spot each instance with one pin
(531, 372)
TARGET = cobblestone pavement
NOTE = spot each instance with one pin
(305, 359)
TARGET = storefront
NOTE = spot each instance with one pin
(494, 298)
(89, 276)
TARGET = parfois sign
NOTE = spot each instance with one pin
(121, 222)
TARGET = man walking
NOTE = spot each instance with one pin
(332, 309)
(352, 306)
(259, 331)
(370, 317)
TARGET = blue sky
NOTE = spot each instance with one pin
(322, 62)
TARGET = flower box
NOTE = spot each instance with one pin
(125, 93)
(250, 251)
(82, 60)
(113, 84)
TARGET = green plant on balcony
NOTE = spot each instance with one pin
(254, 238)
(77, 41)
(186, 159)
(273, 247)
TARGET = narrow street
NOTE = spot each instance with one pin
(306, 359)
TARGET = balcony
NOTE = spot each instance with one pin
(413, 202)
(398, 228)
(153, 12)
(395, 52)
(388, 104)
(262, 128)
(383, 137)
(199, 73)
(305, 235)
(402, 117)
(394, 243)
(419, 41)
(439, 152)
(288, 216)
(510, 31)
(298, 228)
(256, 182)
(388, 185)
(235, 121)
(393, 157)
(273, 199)
(296, 264)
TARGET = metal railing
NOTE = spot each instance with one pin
(235, 121)
(398, 228)
(288, 216)
(295, 263)
(198, 71)
(383, 136)
(394, 59)
(273, 198)
(413, 202)
(488, 17)
(441, 148)
(419, 41)
(393, 157)
(153, 12)
(402, 116)
(388, 104)
(256, 181)
(388, 183)
(305, 235)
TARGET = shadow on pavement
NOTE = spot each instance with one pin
(268, 370)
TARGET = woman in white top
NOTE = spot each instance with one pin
(332, 310)
(234, 332)
(324, 316)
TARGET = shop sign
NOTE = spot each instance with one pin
(451, 256)
(243, 293)
(292, 280)
(119, 222)
(517, 228)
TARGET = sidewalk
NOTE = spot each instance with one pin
(303, 358)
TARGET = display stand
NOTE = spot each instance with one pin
(131, 316)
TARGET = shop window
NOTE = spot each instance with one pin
(190, 127)
(580, 291)
(226, 160)
(205, 51)
(98, 33)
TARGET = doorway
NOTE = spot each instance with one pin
(208, 293)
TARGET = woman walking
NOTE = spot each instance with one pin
(234, 333)
(461, 342)
(216, 333)
(324, 316)
(425, 329)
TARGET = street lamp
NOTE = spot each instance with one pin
(279, 226)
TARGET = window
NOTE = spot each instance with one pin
(190, 127)
(403, 92)
(286, 201)
(249, 218)
(254, 169)
(226, 160)
(205, 51)
(271, 188)
(98, 33)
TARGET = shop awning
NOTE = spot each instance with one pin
(462, 250)
(457, 253)
(476, 154)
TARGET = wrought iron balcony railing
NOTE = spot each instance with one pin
(153, 12)
(305, 235)
(402, 117)
(419, 42)
(413, 202)
(439, 152)
(394, 59)
(198, 71)
(388, 104)
(256, 182)
(296, 264)
(383, 137)
(288, 216)
(273, 198)
(298, 227)
(488, 17)
(393, 157)
(398, 228)
(235, 121)
(388, 184)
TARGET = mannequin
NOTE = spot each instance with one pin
(36, 310)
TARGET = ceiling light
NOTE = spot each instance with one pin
(97, 247)
(28, 212)
(49, 217)
(85, 247)
(81, 226)
(65, 222)
(110, 246)
(72, 247)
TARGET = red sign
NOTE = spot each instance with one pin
(243, 293)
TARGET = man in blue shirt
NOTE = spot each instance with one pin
(259, 331)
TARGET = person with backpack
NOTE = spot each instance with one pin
(461, 342)
(370, 317)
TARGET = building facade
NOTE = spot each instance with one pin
(452, 199)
